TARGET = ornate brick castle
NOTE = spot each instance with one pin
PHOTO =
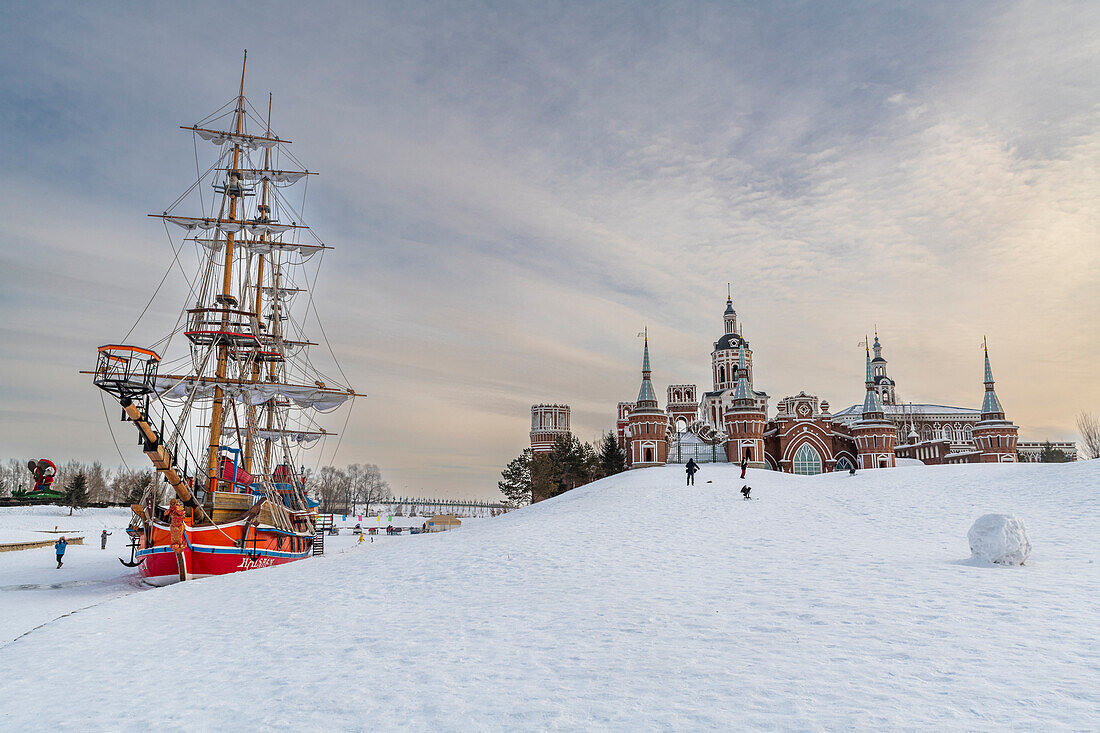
(731, 421)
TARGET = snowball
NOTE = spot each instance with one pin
(999, 538)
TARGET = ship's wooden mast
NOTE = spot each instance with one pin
(248, 448)
(226, 298)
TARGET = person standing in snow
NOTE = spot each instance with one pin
(103, 539)
(744, 465)
(59, 548)
(692, 467)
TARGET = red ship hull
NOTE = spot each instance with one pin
(218, 550)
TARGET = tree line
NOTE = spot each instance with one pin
(101, 485)
(356, 486)
(570, 463)
(350, 490)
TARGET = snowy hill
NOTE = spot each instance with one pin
(633, 603)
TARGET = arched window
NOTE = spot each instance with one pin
(807, 462)
(843, 464)
(946, 432)
(721, 374)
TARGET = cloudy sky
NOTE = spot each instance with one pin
(515, 189)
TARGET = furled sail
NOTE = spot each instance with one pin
(264, 247)
(226, 225)
(190, 223)
(220, 137)
(256, 176)
(303, 396)
(283, 293)
(299, 437)
(264, 227)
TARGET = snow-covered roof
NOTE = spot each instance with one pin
(915, 409)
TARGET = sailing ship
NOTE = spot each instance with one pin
(225, 420)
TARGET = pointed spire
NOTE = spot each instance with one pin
(646, 396)
(991, 406)
(729, 317)
(872, 405)
(742, 392)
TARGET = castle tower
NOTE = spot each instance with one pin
(874, 434)
(994, 436)
(724, 357)
(682, 405)
(744, 421)
(648, 423)
(883, 384)
(548, 423)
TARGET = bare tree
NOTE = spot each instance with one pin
(1089, 426)
(15, 476)
(355, 473)
(372, 489)
(330, 486)
(98, 480)
(129, 486)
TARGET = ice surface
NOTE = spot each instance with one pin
(999, 538)
(832, 602)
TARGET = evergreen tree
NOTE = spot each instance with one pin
(1052, 455)
(570, 464)
(76, 493)
(544, 477)
(515, 481)
(612, 459)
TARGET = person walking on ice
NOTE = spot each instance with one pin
(744, 465)
(692, 467)
(103, 539)
(59, 548)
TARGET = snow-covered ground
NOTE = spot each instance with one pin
(830, 602)
(33, 591)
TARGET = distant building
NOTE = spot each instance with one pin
(1032, 450)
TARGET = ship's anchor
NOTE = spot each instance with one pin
(134, 562)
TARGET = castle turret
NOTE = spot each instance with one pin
(994, 436)
(874, 434)
(548, 423)
(648, 423)
(744, 421)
